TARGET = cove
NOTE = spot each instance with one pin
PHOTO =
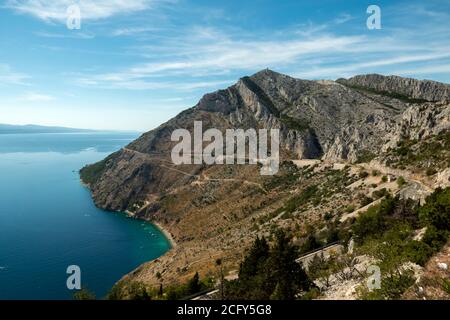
(48, 220)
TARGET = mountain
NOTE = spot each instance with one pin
(330, 132)
(15, 129)
(318, 120)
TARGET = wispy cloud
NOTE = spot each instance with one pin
(36, 97)
(50, 10)
(343, 18)
(8, 76)
(135, 83)
(131, 31)
(73, 35)
(346, 70)
(207, 52)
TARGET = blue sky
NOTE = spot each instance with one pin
(136, 63)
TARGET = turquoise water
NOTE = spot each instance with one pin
(48, 220)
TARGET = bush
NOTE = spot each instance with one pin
(392, 287)
(384, 179)
(435, 238)
(401, 181)
(373, 222)
(363, 174)
(350, 208)
(365, 200)
(436, 210)
(84, 294)
(368, 224)
(431, 172)
(418, 252)
(377, 194)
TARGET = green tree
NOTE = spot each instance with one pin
(289, 275)
(194, 285)
(84, 294)
(436, 210)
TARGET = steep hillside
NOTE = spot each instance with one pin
(349, 126)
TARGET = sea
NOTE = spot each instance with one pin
(48, 221)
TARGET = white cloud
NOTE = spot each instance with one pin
(50, 10)
(144, 84)
(75, 35)
(347, 70)
(36, 97)
(343, 18)
(8, 76)
(207, 52)
(133, 31)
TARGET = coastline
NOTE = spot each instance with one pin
(166, 233)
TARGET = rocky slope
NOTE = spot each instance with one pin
(209, 209)
(318, 119)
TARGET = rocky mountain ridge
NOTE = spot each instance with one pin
(334, 121)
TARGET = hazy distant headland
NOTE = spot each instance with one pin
(31, 128)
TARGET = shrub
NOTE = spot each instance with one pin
(431, 172)
(367, 224)
(365, 200)
(363, 174)
(84, 294)
(436, 210)
(384, 179)
(392, 287)
(350, 208)
(435, 238)
(418, 252)
(365, 156)
(377, 194)
(401, 181)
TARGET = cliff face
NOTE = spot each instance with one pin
(318, 119)
(424, 90)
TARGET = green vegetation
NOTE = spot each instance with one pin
(84, 294)
(261, 95)
(394, 95)
(365, 156)
(132, 290)
(91, 173)
(401, 181)
(386, 232)
(436, 211)
(270, 273)
(392, 287)
(290, 122)
(429, 154)
(294, 124)
(300, 200)
(377, 194)
(446, 285)
(363, 174)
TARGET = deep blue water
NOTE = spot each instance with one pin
(48, 220)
